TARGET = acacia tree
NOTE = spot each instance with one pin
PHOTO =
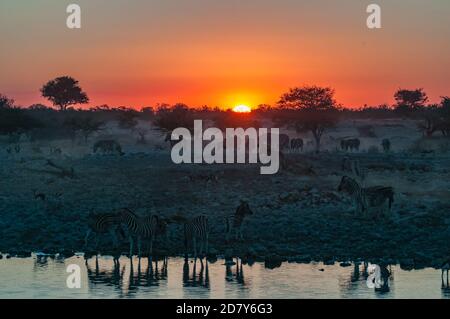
(309, 108)
(407, 100)
(63, 92)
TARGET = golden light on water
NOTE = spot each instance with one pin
(242, 109)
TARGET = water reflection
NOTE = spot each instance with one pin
(125, 275)
(102, 277)
(200, 279)
(238, 275)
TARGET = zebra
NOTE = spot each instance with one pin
(354, 166)
(108, 147)
(352, 188)
(284, 141)
(350, 144)
(103, 223)
(366, 198)
(197, 230)
(235, 221)
(386, 144)
(297, 144)
(139, 228)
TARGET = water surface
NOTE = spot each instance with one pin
(39, 277)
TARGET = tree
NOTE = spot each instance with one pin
(407, 100)
(63, 92)
(85, 124)
(309, 108)
(16, 121)
(308, 98)
(128, 119)
(169, 118)
(5, 102)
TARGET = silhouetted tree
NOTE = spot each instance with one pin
(6, 102)
(230, 119)
(16, 121)
(408, 100)
(169, 118)
(85, 125)
(63, 92)
(128, 119)
(309, 108)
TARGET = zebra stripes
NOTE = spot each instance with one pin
(366, 198)
(234, 222)
(140, 228)
(354, 167)
(101, 224)
(197, 230)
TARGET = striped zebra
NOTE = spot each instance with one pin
(103, 223)
(234, 222)
(196, 230)
(139, 229)
(366, 198)
(354, 166)
(352, 188)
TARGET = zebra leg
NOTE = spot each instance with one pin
(86, 238)
(150, 253)
(194, 244)
(131, 247)
(139, 244)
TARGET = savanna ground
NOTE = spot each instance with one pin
(298, 213)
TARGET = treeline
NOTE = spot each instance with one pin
(306, 108)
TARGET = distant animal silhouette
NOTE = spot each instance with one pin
(386, 144)
(108, 147)
(168, 138)
(234, 222)
(297, 144)
(213, 178)
(284, 141)
(350, 144)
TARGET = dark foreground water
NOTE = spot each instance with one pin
(40, 277)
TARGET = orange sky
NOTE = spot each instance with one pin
(224, 53)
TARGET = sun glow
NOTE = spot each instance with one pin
(242, 109)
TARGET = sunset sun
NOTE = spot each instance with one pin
(242, 109)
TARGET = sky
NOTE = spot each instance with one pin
(224, 52)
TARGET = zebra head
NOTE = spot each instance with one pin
(347, 184)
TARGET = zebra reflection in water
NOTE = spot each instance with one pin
(196, 280)
(238, 275)
(127, 277)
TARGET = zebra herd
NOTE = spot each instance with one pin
(126, 224)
